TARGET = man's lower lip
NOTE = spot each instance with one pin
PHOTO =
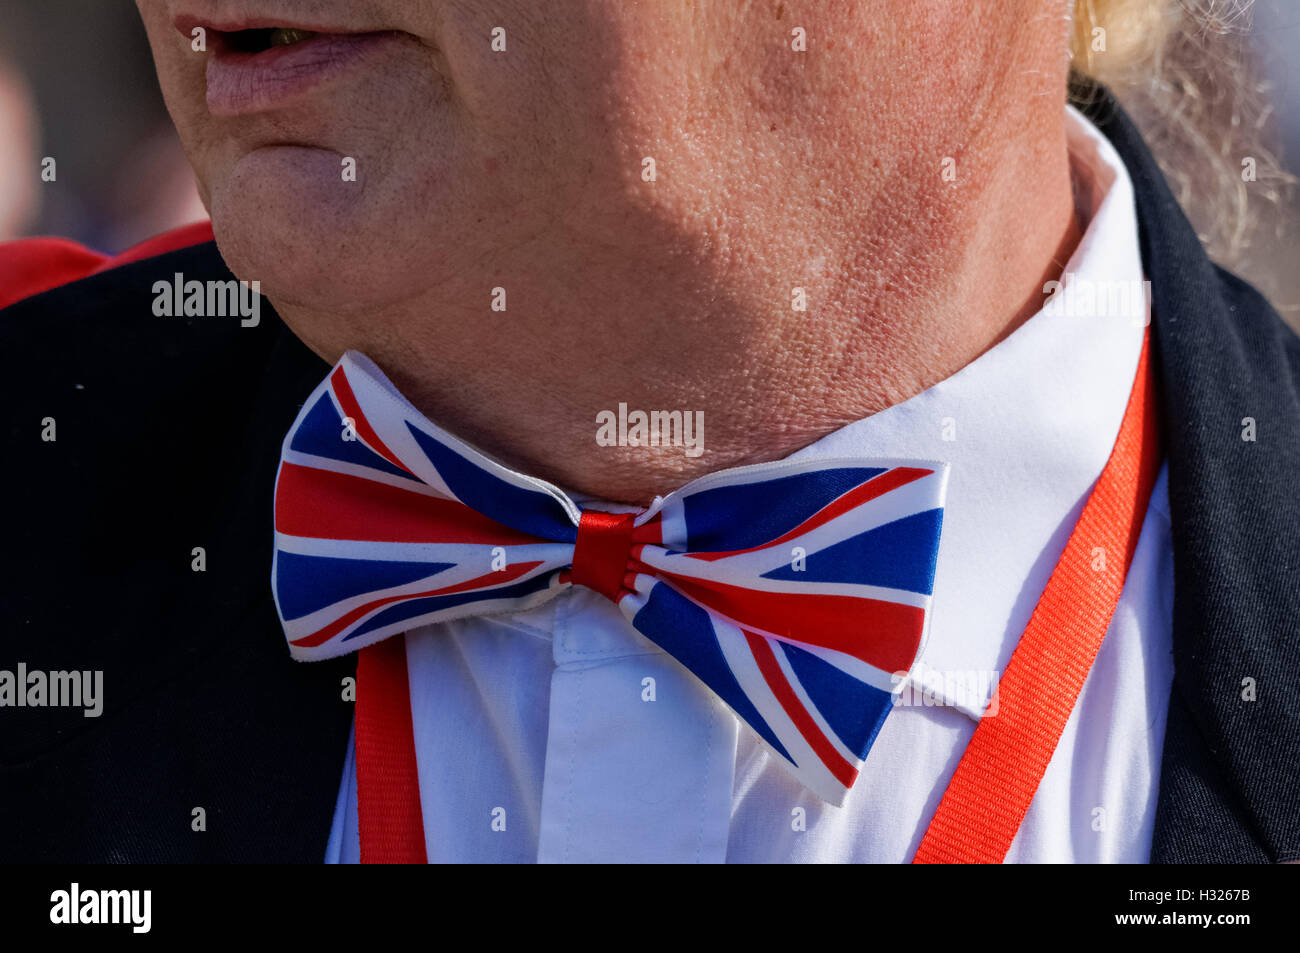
(252, 82)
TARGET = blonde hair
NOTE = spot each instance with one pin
(1183, 69)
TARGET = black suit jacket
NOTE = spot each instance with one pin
(167, 438)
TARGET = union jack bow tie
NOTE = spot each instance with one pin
(797, 591)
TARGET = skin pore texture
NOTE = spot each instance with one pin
(522, 169)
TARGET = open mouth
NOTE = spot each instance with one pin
(258, 41)
(260, 67)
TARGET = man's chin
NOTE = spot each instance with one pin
(287, 219)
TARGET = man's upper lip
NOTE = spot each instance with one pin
(186, 22)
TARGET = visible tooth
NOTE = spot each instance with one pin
(283, 36)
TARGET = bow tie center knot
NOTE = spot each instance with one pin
(602, 551)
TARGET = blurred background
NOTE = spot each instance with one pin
(77, 84)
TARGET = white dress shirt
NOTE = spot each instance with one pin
(536, 741)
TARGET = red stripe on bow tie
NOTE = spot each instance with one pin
(844, 772)
(328, 505)
(883, 634)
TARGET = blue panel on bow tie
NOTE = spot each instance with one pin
(740, 517)
(899, 555)
(854, 710)
(309, 583)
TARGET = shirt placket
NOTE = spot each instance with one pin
(639, 758)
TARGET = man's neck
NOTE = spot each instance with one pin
(900, 287)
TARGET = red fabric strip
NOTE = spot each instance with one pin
(389, 817)
(30, 266)
(195, 233)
